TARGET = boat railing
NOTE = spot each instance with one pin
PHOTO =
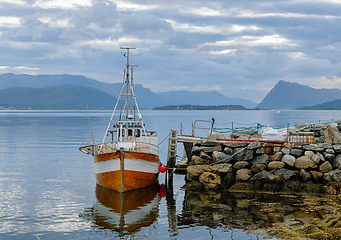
(109, 147)
(87, 147)
(198, 125)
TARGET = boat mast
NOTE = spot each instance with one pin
(128, 106)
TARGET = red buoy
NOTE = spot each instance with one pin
(162, 168)
(162, 193)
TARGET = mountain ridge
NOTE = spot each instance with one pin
(286, 95)
(147, 99)
(332, 105)
(64, 97)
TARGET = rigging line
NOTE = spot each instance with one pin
(87, 109)
(162, 149)
(164, 139)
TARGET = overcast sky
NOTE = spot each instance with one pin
(240, 48)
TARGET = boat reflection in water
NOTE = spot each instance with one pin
(124, 213)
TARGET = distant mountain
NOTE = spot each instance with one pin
(333, 105)
(205, 98)
(145, 97)
(65, 97)
(285, 95)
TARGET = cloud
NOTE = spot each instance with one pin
(102, 14)
(241, 48)
(35, 26)
(143, 23)
(8, 35)
(75, 34)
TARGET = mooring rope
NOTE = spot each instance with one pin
(164, 139)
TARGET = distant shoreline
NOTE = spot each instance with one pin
(201, 107)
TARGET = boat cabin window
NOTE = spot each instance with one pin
(137, 132)
(121, 131)
(130, 132)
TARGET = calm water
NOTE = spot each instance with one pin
(48, 188)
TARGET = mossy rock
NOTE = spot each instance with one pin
(320, 235)
(281, 233)
(310, 187)
(193, 186)
(272, 187)
(335, 185)
(292, 186)
(242, 186)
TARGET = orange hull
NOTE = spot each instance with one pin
(124, 171)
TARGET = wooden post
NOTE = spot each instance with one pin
(188, 148)
(171, 157)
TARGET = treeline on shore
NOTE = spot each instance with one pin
(201, 107)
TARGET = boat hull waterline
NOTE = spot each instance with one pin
(124, 171)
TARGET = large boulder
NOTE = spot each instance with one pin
(309, 154)
(241, 165)
(262, 159)
(305, 175)
(328, 157)
(317, 176)
(332, 135)
(196, 150)
(332, 176)
(210, 181)
(313, 147)
(304, 163)
(254, 145)
(337, 161)
(195, 160)
(234, 144)
(337, 148)
(204, 155)
(285, 173)
(219, 156)
(228, 150)
(256, 168)
(194, 171)
(222, 169)
(296, 152)
(210, 149)
(277, 156)
(316, 159)
(286, 151)
(228, 180)
(331, 151)
(289, 160)
(275, 165)
(325, 167)
(320, 155)
(325, 145)
(243, 154)
(243, 175)
(264, 176)
(329, 190)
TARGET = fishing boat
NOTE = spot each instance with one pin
(129, 160)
